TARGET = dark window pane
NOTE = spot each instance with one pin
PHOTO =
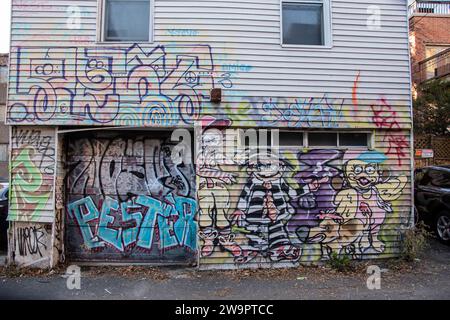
(353, 139)
(322, 139)
(3, 74)
(303, 24)
(127, 20)
(291, 139)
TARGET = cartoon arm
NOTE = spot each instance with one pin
(391, 189)
(214, 173)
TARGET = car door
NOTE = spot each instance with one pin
(429, 192)
(426, 193)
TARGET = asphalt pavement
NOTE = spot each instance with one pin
(427, 278)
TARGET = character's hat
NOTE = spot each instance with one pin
(366, 156)
(315, 164)
(209, 122)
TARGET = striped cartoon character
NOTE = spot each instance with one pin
(264, 209)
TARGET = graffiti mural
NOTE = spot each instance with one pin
(385, 117)
(31, 244)
(263, 210)
(335, 200)
(316, 176)
(303, 113)
(162, 85)
(32, 169)
(213, 194)
(352, 222)
(129, 200)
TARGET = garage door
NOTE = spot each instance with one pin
(129, 200)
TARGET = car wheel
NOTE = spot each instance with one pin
(443, 227)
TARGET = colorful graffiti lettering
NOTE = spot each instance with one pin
(139, 220)
(324, 112)
(171, 84)
(32, 168)
(126, 197)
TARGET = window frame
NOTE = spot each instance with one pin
(306, 145)
(101, 25)
(327, 25)
(369, 146)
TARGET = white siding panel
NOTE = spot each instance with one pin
(244, 35)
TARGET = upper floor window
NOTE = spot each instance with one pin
(3, 84)
(127, 20)
(306, 22)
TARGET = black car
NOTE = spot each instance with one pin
(432, 199)
(3, 217)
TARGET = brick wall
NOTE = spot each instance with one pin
(427, 30)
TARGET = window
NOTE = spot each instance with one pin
(321, 139)
(306, 22)
(3, 74)
(291, 139)
(127, 20)
(353, 139)
(3, 84)
(331, 139)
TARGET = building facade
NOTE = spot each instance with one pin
(97, 89)
(430, 40)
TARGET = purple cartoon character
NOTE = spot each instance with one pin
(316, 177)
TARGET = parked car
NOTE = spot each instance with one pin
(3, 216)
(432, 199)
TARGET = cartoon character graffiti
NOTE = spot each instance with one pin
(316, 178)
(264, 209)
(353, 227)
(213, 193)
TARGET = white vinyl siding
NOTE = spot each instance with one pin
(245, 34)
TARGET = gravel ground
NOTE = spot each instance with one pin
(426, 279)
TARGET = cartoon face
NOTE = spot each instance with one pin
(267, 169)
(212, 138)
(362, 175)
